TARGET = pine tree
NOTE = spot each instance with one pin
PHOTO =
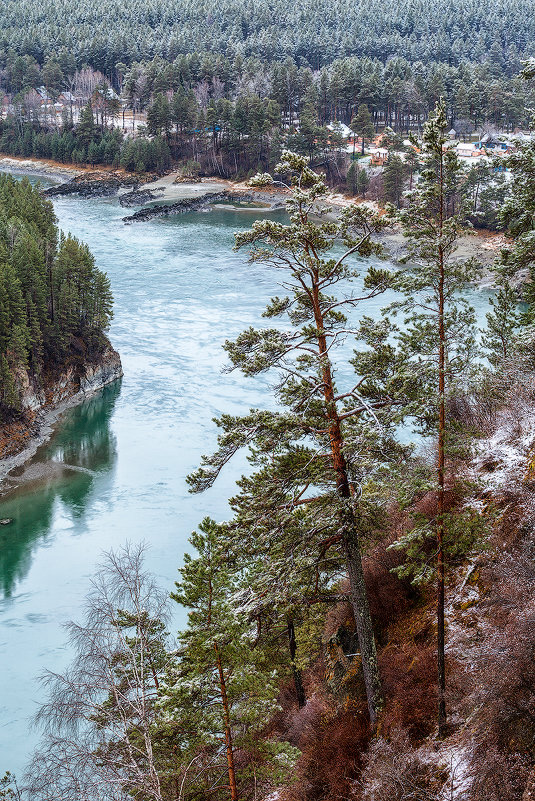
(159, 116)
(325, 439)
(221, 685)
(439, 334)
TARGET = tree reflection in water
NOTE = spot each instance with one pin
(62, 473)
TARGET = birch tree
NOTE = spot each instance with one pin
(99, 717)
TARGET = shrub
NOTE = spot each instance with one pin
(395, 771)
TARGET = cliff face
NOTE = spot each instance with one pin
(42, 401)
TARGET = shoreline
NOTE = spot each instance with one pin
(27, 166)
(48, 416)
(47, 421)
(481, 243)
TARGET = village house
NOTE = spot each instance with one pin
(468, 150)
(67, 98)
(491, 142)
(379, 157)
(340, 128)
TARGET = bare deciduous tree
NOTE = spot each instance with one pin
(99, 715)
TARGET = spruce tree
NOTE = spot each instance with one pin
(47, 295)
(363, 182)
(504, 320)
(362, 124)
(352, 178)
(85, 130)
(394, 179)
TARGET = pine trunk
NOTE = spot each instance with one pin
(441, 659)
(363, 621)
(298, 681)
(350, 534)
(228, 733)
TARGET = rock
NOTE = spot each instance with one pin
(94, 184)
(42, 404)
(137, 197)
(6, 521)
(105, 371)
(91, 376)
(31, 393)
(86, 188)
(188, 204)
(188, 179)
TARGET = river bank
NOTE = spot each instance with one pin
(51, 169)
(147, 191)
(43, 408)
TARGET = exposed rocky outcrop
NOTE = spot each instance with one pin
(138, 197)
(75, 382)
(97, 375)
(188, 204)
(94, 184)
(45, 400)
(86, 187)
(188, 179)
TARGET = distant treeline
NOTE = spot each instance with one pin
(72, 146)
(234, 117)
(401, 92)
(103, 33)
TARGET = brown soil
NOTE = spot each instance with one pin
(16, 435)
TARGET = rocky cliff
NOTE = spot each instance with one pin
(43, 400)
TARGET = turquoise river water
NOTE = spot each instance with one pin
(180, 291)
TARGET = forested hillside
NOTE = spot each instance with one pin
(55, 305)
(233, 117)
(311, 33)
(228, 85)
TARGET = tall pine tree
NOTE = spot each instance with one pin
(318, 453)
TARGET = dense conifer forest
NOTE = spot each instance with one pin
(228, 86)
(55, 305)
(311, 34)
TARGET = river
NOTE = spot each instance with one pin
(123, 456)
